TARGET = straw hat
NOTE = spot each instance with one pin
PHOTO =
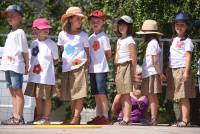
(71, 12)
(149, 27)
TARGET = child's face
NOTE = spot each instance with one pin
(181, 28)
(137, 92)
(42, 33)
(122, 27)
(96, 24)
(76, 22)
(14, 19)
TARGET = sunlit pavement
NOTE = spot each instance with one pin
(88, 129)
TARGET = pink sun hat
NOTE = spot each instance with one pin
(41, 23)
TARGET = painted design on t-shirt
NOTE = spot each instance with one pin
(76, 62)
(37, 69)
(69, 49)
(96, 45)
(10, 60)
(35, 51)
(180, 44)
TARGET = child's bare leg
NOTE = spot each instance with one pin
(104, 104)
(78, 107)
(116, 106)
(153, 105)
(14, 102)
(126, 103)
(19, 102)
(39, 108)
(98, 105)
(46, 108)
(185, 108)
(72, 107)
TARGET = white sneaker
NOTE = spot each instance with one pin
(41, 122)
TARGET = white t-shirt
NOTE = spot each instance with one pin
(99, 43)
(178, 50)
(74, 55)
(198, 72)
(123, 53)
(42, 66)
(12, 58)
(148, 68)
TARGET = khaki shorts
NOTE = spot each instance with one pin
(176, 88)
(151, 85)
(124, 78)
(74, 84)
(42, 91)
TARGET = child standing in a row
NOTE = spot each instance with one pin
(75, 58)
(15, 63)
(151, 71)
(125, 60)
(41, 81)
(100, 51)
(180, 85)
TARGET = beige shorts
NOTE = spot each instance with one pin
(176, 88)
(151, 84)
(124, 78)
(42, 91)
(74, 84)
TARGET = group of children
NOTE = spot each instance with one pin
(83, 55)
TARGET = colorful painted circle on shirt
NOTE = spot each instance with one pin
(37, 69)
(96, 45)
(35, 51)
(76, 62)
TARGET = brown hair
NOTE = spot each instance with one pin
(129, 29)
(67, 25)
(149, 37)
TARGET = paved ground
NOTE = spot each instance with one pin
(113, 129)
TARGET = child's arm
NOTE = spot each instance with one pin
(133, 52)
(188, 56)
(87, 51)
(157, 67)
(108, 54)
(26, 61)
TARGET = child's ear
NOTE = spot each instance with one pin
(34, 30)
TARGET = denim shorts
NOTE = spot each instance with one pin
(98, 83)
(14, 80)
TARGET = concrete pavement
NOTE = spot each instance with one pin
(109, 129)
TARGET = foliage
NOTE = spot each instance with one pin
(163, 11)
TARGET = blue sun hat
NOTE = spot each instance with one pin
(13, 8)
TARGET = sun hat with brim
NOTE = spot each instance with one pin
(72, 11)
(126, 19)
(41, 23)
(149, 27)
(98, 14)
(13, 8)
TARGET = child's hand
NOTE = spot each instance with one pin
(162, 77)
(138, 77)
(26, 69)
(185, 76)
(56, 61)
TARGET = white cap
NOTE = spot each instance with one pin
(126, 18)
